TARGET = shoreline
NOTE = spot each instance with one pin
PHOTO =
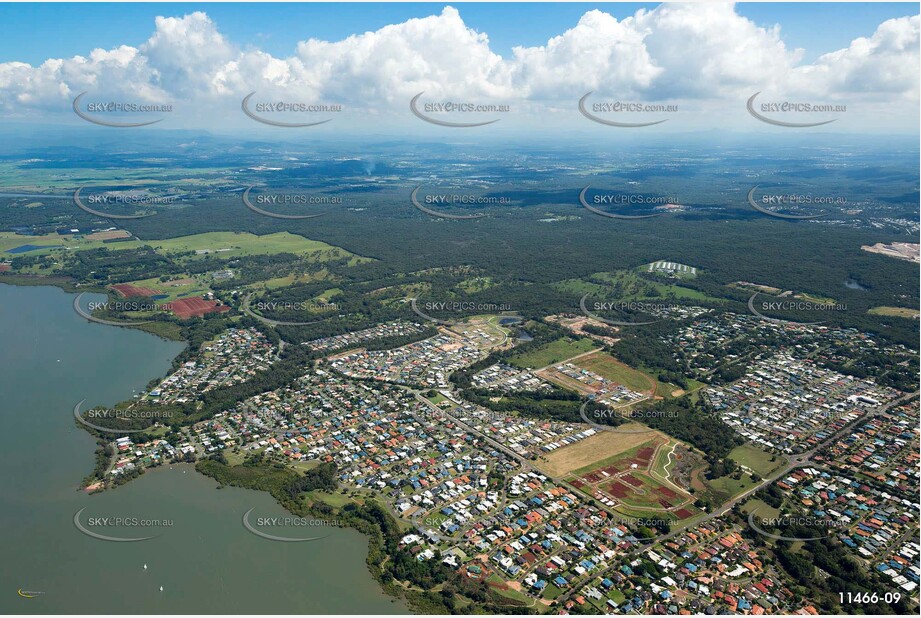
(395, 591)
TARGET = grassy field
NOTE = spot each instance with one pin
(601, 449)
(760, 507)
(217, 244)
(336, 500)
(475, 284)
(288, 280)
(612, 369)
(755, 459)
(726, 487)
(553, 352)
(898, 312)
(499, 587)
(633, 287)
(438, 398)
(694, 386)
(236, 244)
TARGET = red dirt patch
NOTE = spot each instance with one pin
(5, 268)
(131, 291)
(618, 489)
(196, 306)
(683, 513)
(644, 455)
(594, 477)
(629, 478)
(665, 491)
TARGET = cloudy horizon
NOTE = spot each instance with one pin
(696, 64)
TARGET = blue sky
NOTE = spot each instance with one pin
(36, 32)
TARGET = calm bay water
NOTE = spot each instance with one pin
(201, 556)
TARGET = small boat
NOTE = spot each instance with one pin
(161, 588)
(145, 566)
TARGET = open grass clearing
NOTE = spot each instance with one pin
(588, 454)
(554, 352)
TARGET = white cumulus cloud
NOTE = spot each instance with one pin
(679, 52)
